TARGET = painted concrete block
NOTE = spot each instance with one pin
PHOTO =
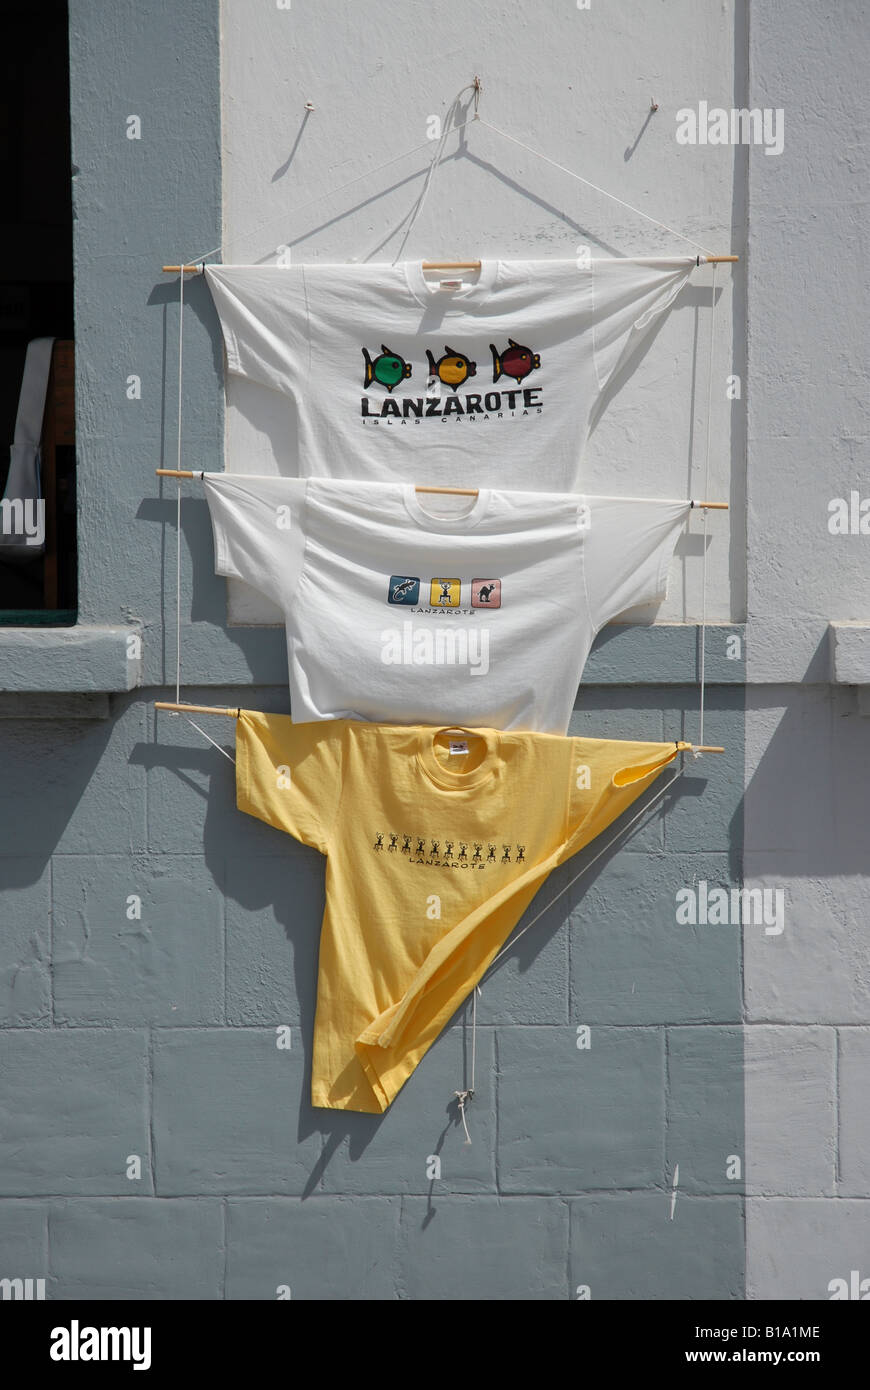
(854, 1112)
(633, 962)
(627, 1245)
(191, 787)
(274, 910)
(530, 983)
(791, 1139)
(807, 1248)
(137, 941)
(484, 1249)
(80, 788)
(419, 1145)
(789, 800)
(25, 943)
(320, 1248)
(231, 1113)
(132, 1248)
(572, 1119)
(73, 1108)
(705, 1140)
(815, 969)
(23, 1244)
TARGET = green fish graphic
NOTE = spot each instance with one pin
(388, 369)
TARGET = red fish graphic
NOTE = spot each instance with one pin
(516, 361)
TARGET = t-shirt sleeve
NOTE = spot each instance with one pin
(606, 776)
(258, 529)
(628, 298)
(289, 775)
(627, 545)
(263, 312)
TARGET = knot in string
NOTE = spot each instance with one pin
(462, 1098)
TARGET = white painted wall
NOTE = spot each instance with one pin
(575, 84)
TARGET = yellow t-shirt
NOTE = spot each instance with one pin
(436, 841)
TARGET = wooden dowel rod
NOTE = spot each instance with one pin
(426, 265)
(196, 709)
(458, 491)
(234, 714)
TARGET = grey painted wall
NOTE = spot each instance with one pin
(156, 1036)
(808, 740)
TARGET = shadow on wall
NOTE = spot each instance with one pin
(272, 885)
(85, 789)
(806, 802)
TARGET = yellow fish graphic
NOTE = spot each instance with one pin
(453, 368)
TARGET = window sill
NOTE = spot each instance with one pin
(85, 658)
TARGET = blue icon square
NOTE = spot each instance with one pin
(403, 588)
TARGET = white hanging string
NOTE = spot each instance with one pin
(178, 498)
(209, 740)
(433, 166)
(329, 193)
(588, 183)
(447, 130)
(178, 526)
(703, 658)
(463, 1097)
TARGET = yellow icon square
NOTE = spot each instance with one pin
(445, 593)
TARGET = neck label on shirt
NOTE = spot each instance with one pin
(458, 746)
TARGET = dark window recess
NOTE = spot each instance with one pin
(36, 301)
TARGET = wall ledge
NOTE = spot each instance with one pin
(849, 649)
(667, 654)
(81, 659)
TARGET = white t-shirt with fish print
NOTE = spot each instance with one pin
(408, 608)
(382, 375)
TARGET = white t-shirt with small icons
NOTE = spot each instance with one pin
(386, 376)
(415, 608)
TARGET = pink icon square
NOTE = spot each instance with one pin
(486, 593)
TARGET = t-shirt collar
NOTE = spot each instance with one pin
(443, 775)
(427, 292)
(433, 521)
